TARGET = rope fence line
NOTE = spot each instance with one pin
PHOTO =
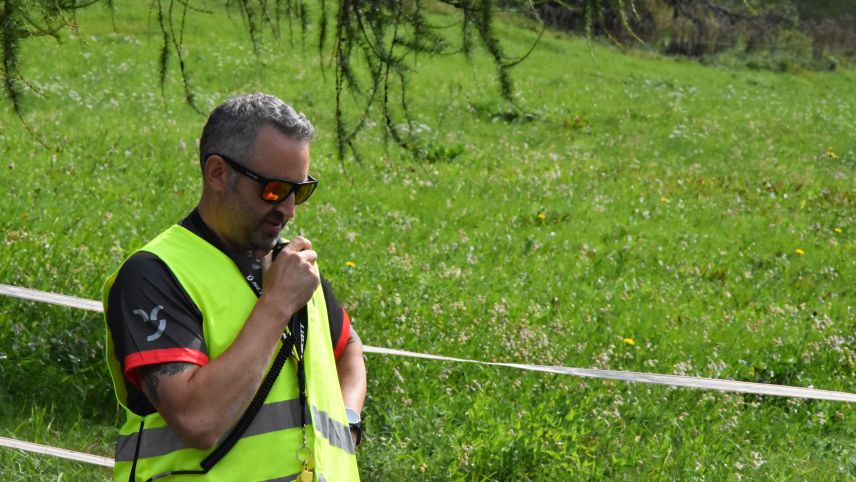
(56, 452)
(50, 298)
(651, 378)
(627, 376)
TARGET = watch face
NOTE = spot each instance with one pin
(353, 416)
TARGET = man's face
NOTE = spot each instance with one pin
(254, 224)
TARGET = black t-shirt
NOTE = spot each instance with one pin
(153, 320)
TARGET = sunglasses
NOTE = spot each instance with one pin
(275, 190)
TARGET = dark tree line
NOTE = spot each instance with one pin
(808, 33)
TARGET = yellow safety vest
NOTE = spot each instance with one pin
(267, 450)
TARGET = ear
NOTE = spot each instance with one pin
(215, 173)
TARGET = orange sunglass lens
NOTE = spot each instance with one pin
(276, 191)
(270, 196)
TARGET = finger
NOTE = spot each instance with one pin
(299, 243)
(308, 255)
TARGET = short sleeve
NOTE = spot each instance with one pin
(151, 318)
(340, 322)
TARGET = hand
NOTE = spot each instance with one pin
(293, 276)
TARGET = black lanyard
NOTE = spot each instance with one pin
(294, 342)
(296, 330)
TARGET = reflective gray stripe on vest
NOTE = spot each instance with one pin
(289, 478)
(160, 441)
(339, 435)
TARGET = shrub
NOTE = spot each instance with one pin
(833, 36)
(782, 35)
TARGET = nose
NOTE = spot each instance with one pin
(286, 207)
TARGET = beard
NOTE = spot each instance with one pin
(267, 232)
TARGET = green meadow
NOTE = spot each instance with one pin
(644, 213)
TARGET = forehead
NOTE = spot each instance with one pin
(278, 155)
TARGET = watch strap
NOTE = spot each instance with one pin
(355, 423)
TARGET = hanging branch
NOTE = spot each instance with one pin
(11, 36)
(484, 25)
(177, 45)
(17, 23)
(387, 36)
(165, 49)
(387, 115)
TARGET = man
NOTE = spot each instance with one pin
(196, 317)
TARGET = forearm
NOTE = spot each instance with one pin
(203, 403)
(200, 404)
(352, 373)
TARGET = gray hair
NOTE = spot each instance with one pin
(233, 126)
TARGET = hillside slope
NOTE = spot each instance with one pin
(643, 214)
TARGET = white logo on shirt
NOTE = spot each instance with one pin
(150, 318)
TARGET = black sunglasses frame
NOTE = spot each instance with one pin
(265, 181)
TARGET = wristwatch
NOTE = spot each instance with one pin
(355, 422)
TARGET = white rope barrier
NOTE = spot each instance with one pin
(50, 298)
(56, 452)
(628, 376)
(653, 378)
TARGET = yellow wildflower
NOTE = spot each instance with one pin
(831, 154)
(542, 216)
(350, 264)
(664, 199)
(838, 230)
(630, 341)
(799, 251)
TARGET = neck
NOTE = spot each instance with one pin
(213, 218)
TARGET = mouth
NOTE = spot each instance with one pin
(273, 225)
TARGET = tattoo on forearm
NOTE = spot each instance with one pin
(150, 375)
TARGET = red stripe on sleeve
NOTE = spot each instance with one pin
(343, 335)
(164, 355)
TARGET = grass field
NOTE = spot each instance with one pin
(650, 214)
